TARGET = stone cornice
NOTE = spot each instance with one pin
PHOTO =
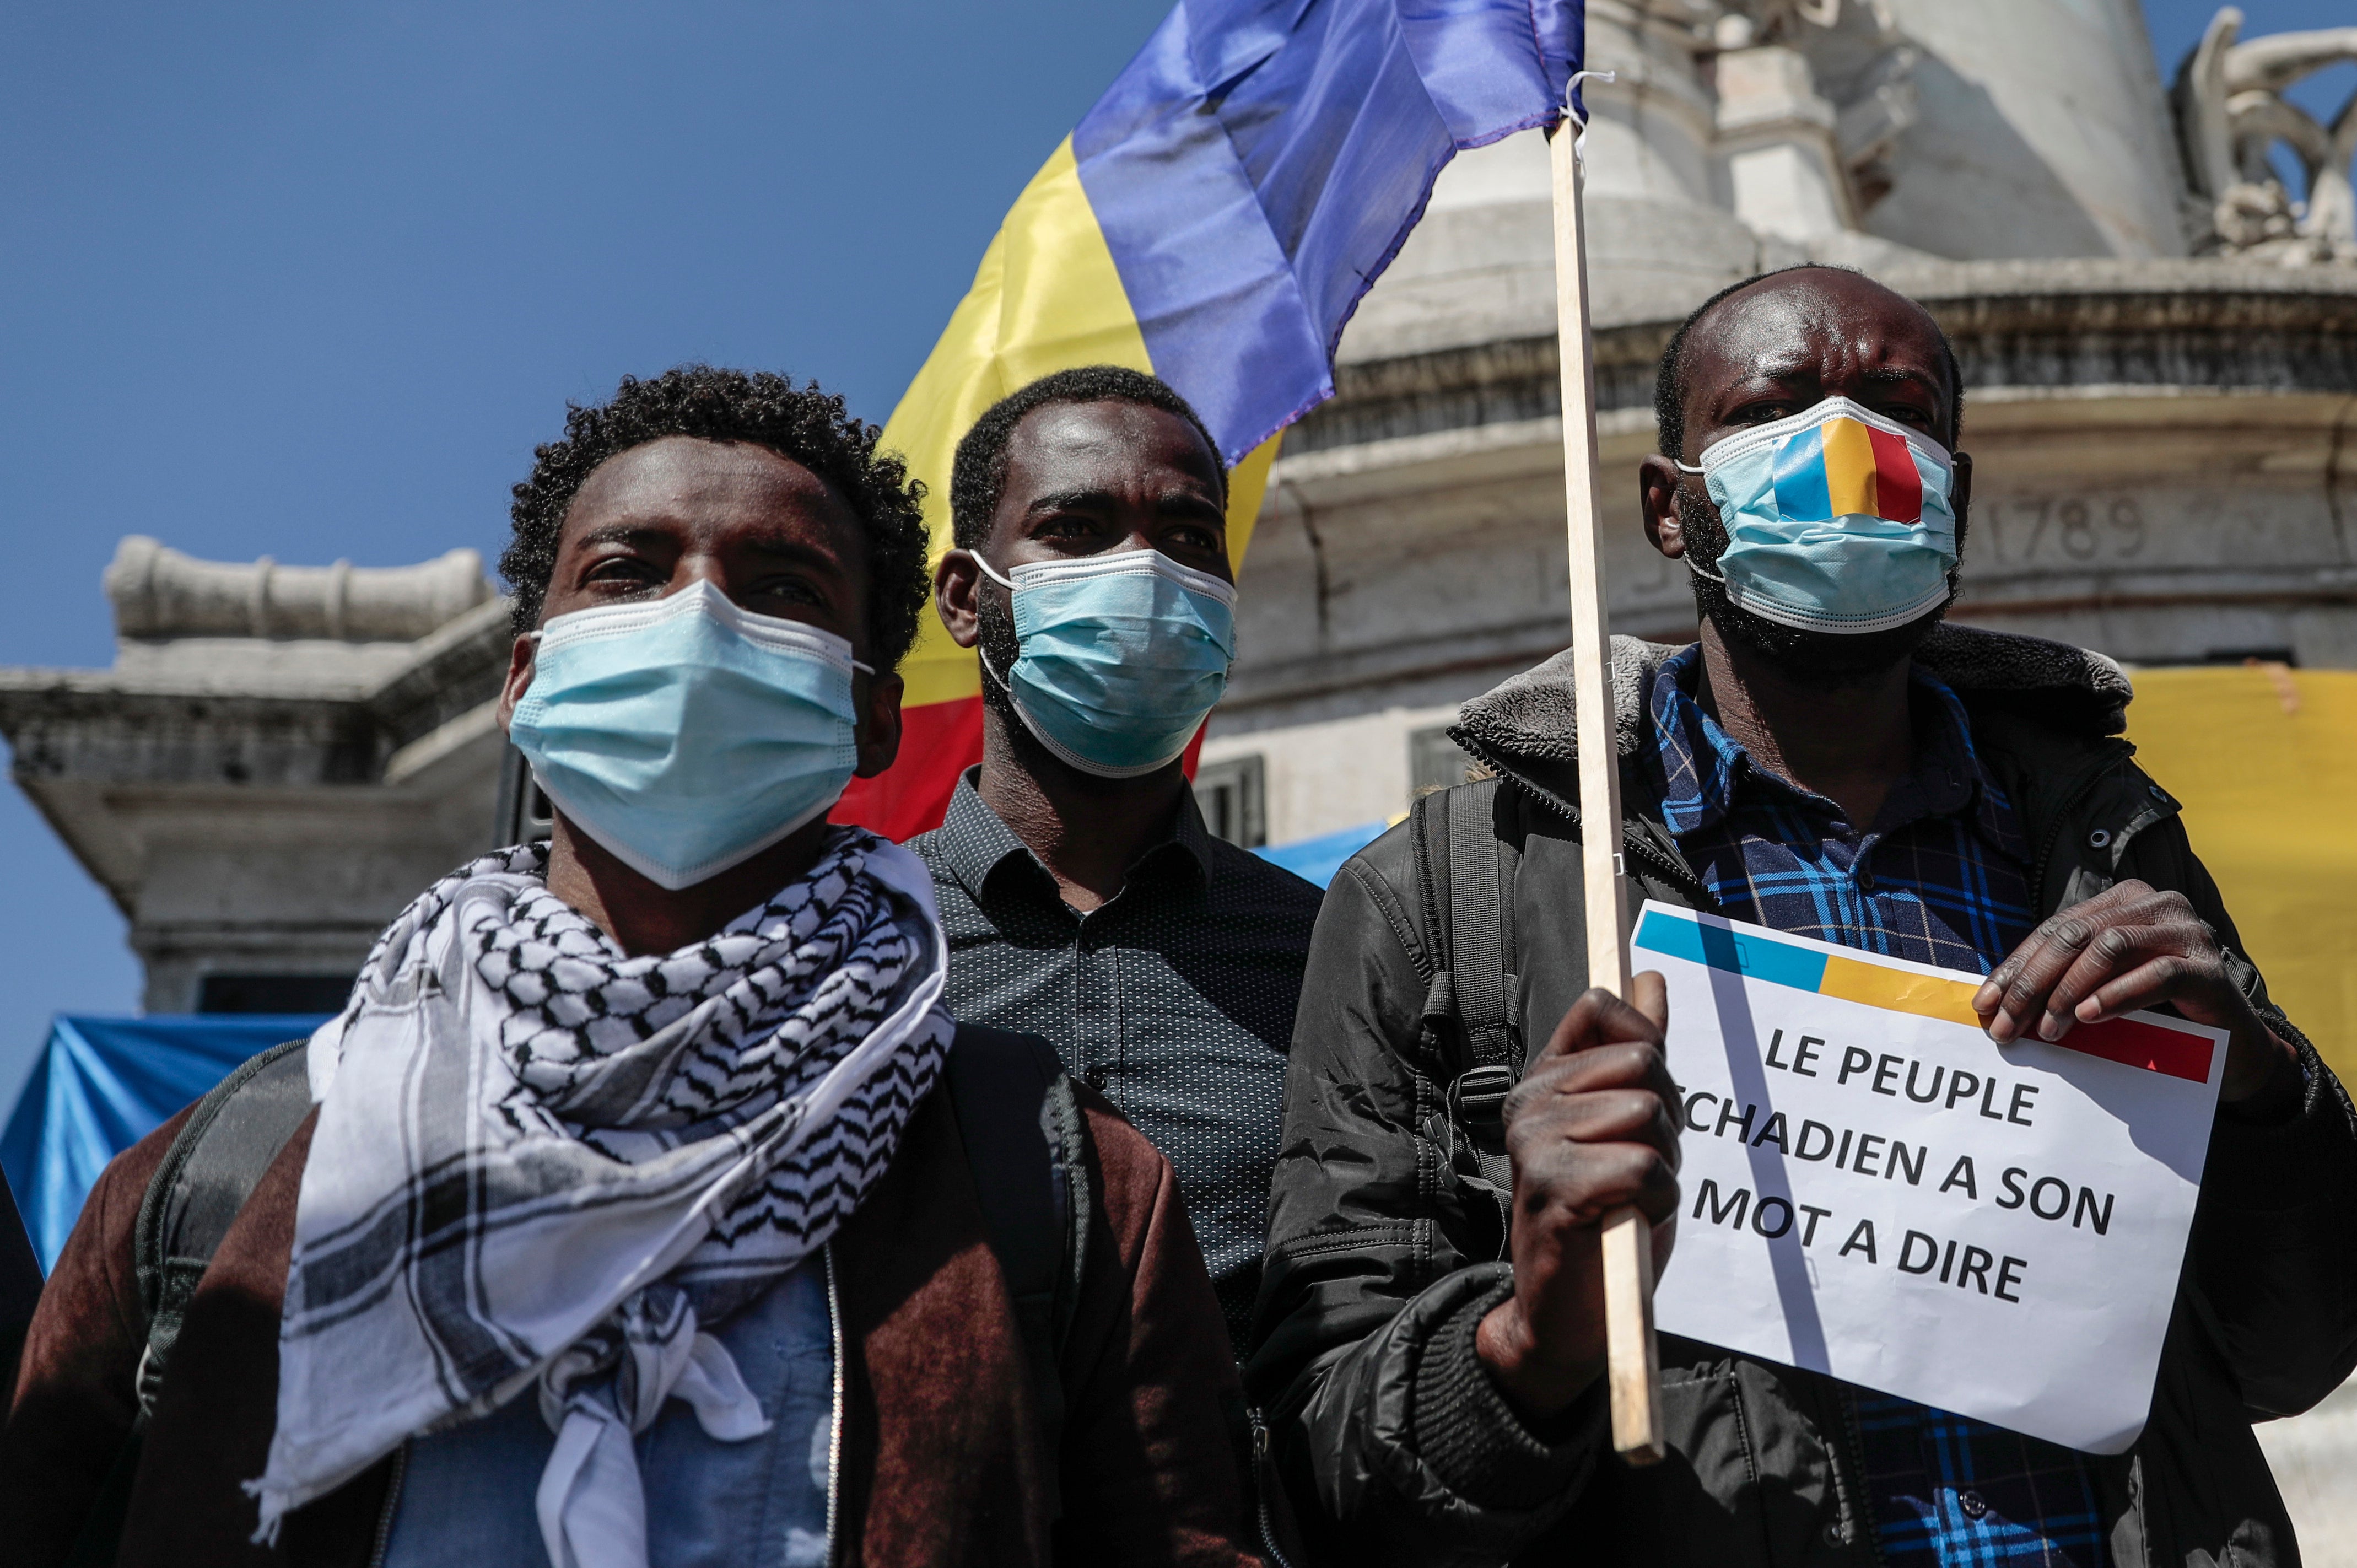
(183, 728)
(2202, 325)
(158, 592)
(457, 669)
(71, 729)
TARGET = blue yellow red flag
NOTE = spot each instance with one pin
(1214, 220)
(1845, 467)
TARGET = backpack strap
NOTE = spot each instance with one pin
(207, 1175)
(1023, 1134)
(213, 1166)
(1467, 860)
(1481, 867)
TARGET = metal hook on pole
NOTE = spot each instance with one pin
(1572, 114)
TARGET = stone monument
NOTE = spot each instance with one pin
(279, 759)
(2160, 391)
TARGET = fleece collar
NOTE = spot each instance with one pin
(2070, 689)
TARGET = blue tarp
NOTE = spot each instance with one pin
(101, 1086)
(1316, 860)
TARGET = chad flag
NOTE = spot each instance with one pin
(1845, 467)
(1214, 220)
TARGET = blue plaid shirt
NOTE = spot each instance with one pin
(1940, 876)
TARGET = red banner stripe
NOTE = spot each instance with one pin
(2147, 1045)
(1897, 484)
(938, 742)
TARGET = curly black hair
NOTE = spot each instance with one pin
(978, 477)
(1669, 388)
(811, 426)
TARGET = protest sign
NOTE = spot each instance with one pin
(1875, 1189)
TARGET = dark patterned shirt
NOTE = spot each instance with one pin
(1939, 877)
(1175, 998)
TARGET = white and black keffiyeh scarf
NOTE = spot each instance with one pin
(540, 1160)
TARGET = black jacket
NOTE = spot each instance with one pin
(1399, 1449)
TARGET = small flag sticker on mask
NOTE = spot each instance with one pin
(1845, 468)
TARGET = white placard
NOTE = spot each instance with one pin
(1874, 1189)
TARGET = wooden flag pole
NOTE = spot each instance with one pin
(1632, 1364)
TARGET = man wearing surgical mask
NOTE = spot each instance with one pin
(1083, 899)
(639, 1210)
(1829, 759)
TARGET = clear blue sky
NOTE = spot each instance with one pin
(310, 281)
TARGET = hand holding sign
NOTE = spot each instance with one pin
(1590, 1130)
(2129, 947)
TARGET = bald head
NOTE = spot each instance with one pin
(1773, 345)
(1769, 349)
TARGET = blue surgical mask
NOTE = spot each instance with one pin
(1837, 520)
(1120, 655)
(686, 735)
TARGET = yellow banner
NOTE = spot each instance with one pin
(2264, 761)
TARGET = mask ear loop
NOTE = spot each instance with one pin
(995, 678)
(982, 656)
(980, 652)
(1687, 559)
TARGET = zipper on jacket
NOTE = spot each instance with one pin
(834, 1438)
(391, 1507)
(1846, 1459)
(1260, 1489)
